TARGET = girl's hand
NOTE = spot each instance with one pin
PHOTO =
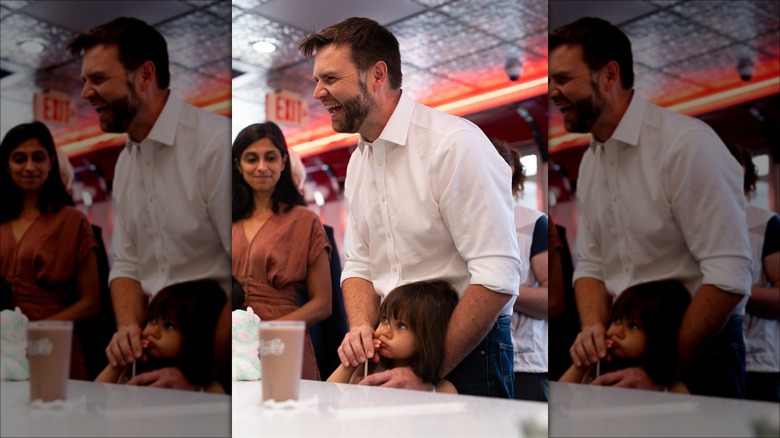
(377, 350)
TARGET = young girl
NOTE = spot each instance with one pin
(645, 325)
(412, 326)
(179, 332)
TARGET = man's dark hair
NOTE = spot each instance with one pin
(601, 43)
(137, 42)
(368, 41)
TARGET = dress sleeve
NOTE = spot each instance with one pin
(87, 242)
(318, 240)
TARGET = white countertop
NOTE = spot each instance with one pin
(587, 410)
(362, 411)
(115, 410)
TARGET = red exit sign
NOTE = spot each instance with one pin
(286, 108)
(54, 108)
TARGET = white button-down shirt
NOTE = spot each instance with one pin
(662, 199)
(172, 198)
(430, 198)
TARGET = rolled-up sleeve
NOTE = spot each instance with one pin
(473, 185)
(705, 188)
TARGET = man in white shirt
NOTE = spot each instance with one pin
(660, 198)
(428, 198)
(171, 185)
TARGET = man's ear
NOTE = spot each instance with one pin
(611, 73)
(377, 75)
(148, 74)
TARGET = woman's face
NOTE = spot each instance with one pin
(261, 165)
(29, 165)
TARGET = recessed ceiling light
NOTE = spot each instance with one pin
(31, 46)
(264, 46)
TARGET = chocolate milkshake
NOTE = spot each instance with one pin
(281, 355)
(48, 351)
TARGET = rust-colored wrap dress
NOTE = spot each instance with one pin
(42, 267)
(272, 267)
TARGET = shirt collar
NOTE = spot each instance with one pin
(397, 128)
(164, 130)
(630, 125)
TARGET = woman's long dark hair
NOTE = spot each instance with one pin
(426, 306)
(53, 195)
(285, 191)
(658, 307)
(194, 307)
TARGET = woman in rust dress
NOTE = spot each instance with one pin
(47, 249)
(280, 249)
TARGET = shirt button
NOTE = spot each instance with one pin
(380, 163)
(382, 199)
(388, 234)
(395, 269)
(614, 199)
(625, 270)
(162, 269)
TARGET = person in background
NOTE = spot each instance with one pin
(327, 335)
(178, 319)
(279, 246)
(171, 185)
(656, 192)
(529, 317)
(427, 198)
(96, 332)
(761, 326)
(412, 326)
(47, 248)
(643, 333)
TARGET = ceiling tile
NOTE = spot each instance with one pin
(663, 38)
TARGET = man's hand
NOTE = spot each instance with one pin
(589, 346)
(168, 377)
(400, 377)
(357, 345)
(125, 346)
(632, 377)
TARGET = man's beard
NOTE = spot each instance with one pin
(356, 110)
(123, 111)
(588, 109)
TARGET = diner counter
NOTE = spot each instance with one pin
(587, 411)
(108, 410)
(343, 410)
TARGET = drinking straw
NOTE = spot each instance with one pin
(598, 368)
(365, 369)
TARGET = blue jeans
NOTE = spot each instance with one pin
(489, 369)
(719, 371)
